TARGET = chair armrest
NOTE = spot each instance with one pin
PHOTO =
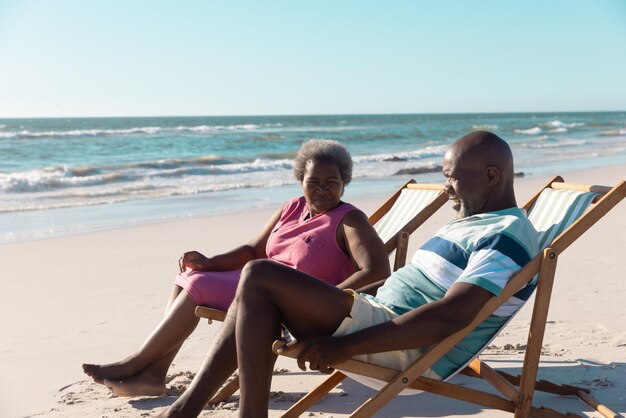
(210, 314)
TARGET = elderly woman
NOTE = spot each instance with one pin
(316, 233)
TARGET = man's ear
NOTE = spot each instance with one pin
(493, 174)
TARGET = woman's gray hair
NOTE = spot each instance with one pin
(323, 150)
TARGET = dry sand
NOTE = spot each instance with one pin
(95, 297)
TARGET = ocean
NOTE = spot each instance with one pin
(71, 175)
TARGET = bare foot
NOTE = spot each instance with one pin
(139, 385)
(113, 371)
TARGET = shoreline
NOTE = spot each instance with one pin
(95, 296)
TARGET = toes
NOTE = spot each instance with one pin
(92, 370)
(89, 368)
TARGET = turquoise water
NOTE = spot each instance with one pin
(60, 176)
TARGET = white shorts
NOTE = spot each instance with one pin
(366, 313)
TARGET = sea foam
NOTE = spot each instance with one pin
(145, 130)
(531, 131)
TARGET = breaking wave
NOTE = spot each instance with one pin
(146, 130)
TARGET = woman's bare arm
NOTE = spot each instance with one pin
(366, 250)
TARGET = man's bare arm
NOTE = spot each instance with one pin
(428, 324)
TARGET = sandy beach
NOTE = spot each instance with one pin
(95, 297)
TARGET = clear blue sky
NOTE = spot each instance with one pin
(132, 58)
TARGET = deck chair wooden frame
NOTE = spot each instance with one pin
(517, 391)
(395, 220)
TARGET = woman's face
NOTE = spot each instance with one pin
(322, 186)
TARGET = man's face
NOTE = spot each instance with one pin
(466, 184)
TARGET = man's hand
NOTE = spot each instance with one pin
(320, 352)
(195, 261)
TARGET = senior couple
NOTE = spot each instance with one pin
(301, 269)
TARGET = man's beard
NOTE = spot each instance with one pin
(466, 209)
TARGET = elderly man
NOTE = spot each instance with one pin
(449, 280)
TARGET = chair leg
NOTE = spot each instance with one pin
(315, 395)
(505, 382)
(225, 391)
(546, 385)
(603, 409)
(495, 379)
(537, 330)
(401, 250)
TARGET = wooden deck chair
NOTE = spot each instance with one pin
(408, 208)
(561, 213)
(394, 221)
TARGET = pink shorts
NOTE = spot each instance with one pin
(215, 289)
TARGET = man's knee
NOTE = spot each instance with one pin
(256, 273)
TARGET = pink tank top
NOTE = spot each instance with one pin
(310, 245)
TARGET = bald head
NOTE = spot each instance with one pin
(485, 149)
(479, 172)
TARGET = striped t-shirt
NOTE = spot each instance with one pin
(484, 250)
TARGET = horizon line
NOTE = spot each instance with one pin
(312, 114)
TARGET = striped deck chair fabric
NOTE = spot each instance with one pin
(555, 210)
(409, 203)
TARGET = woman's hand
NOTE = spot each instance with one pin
(195, 261)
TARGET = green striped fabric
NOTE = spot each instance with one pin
(555, 210)
(409, 204)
